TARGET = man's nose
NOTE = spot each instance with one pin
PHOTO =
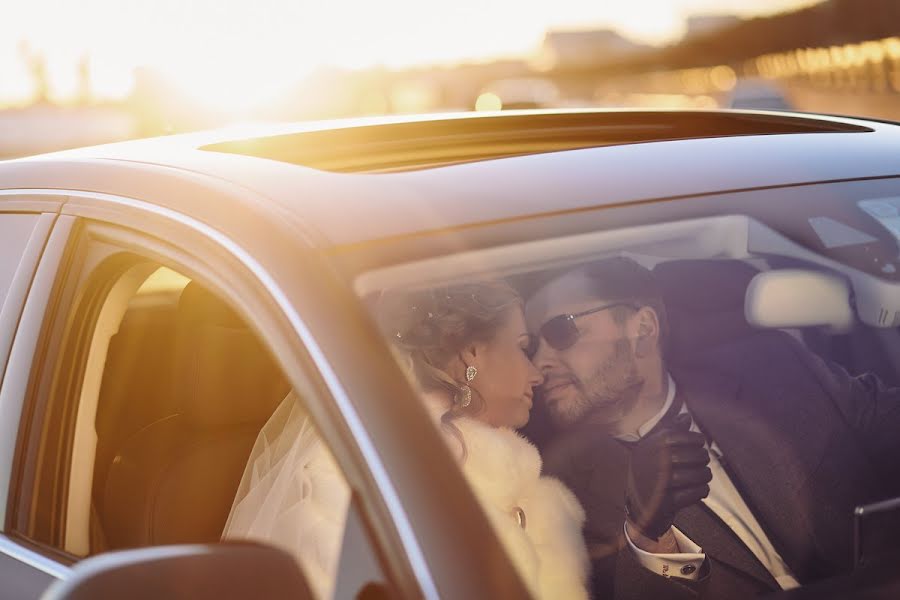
(545, 357)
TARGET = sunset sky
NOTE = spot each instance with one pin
(246, 51)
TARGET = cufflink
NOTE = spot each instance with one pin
(688, 569)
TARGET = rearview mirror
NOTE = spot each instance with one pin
(798, 298)
(226, 571)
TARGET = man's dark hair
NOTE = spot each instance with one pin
(622, 279)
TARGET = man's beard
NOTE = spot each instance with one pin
(610, 393)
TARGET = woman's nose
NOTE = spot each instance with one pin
(535, 377)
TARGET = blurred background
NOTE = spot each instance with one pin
(93, 71)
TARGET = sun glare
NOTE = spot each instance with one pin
(110, 80)
(228, 89)
(63, 82)
(237, 55)
(15, 87)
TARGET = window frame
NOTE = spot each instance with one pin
(226, 274)
(80, 293)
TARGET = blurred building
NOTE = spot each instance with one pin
(701, 25)
(581, 49)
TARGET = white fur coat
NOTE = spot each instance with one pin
(504, 470)
(294, 496)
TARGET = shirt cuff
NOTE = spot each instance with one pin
(683, 565)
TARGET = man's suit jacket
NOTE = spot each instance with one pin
(803, 442)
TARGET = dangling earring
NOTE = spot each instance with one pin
(465, 398)
(466, 391)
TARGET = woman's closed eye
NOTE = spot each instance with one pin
(529, 344)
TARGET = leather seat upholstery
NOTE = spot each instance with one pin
(174, 481)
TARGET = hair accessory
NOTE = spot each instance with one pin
(471, 372)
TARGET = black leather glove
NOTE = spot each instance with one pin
(668, 471)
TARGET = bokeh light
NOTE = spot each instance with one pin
(488, 101)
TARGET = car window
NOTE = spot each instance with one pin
(769, 353)
(159, 415)
(15, 231)
(22, 236)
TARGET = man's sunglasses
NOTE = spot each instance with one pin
(561, 332)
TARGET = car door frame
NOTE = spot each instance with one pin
(23, 570)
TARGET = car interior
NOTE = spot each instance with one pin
(186, 389)
(722, 279)
(187, 383)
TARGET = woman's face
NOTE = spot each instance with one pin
(506, 376)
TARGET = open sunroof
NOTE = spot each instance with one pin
(434, 143)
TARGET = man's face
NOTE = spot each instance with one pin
(597, 377)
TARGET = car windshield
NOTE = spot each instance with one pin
(712, 393)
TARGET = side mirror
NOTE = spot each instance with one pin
(798, 298)
(226, 571)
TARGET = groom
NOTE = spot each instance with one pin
(724, 474)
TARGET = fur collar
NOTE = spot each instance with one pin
(499, 461)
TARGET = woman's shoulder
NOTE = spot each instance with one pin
(499, 450)
(502, 457)
(489, 447)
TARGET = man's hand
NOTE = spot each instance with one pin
(667, 472)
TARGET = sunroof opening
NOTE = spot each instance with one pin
(381, 148)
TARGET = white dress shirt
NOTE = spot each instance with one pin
(726, 502)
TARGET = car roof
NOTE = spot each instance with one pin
(598, 158)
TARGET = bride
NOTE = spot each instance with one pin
(466, 348)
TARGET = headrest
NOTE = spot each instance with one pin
(799, 298)
(704, 285)
(705, 302)
(224, 376)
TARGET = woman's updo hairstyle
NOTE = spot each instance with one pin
(429, 328)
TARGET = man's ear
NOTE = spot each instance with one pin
(647, 324)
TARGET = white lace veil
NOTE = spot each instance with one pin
(293, 495)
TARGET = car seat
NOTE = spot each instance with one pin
(174, 480)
